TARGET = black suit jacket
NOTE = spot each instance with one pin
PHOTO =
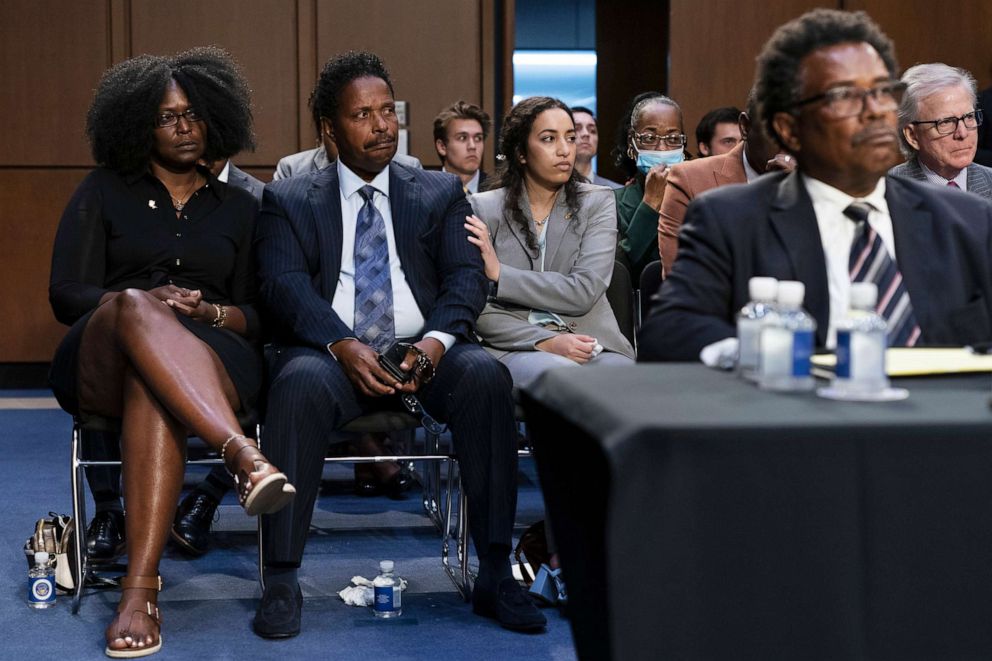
(984, 154)
(298, 244)
(943, 245)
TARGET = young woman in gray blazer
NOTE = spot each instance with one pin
(548, 242)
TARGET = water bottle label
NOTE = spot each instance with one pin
(41, 590)
(802, 351)
(843, 370)
(747, 333)
(384, 596)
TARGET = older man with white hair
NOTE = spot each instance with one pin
(938, 122)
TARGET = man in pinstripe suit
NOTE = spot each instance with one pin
(332, 294)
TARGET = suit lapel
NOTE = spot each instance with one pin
(979, 181)
(555, 230)
(794, 221)
(518, 232)
(408, 221)
(731, 170)
(325, 204)
(912, 229)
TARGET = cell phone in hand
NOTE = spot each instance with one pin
(392, 358)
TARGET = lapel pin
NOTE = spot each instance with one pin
(151, 204)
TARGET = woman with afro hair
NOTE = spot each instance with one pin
(152, 268)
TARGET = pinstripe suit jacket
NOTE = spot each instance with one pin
(979, 176)
(298, 247)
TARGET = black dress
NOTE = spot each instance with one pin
(120, 232)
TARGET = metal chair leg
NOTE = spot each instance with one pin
(462, 579)
(79, 516)
(432, 481)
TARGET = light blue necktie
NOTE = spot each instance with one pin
(373, 287)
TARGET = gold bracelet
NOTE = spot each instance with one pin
(221, 317)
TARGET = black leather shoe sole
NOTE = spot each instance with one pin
(185, 546)
(522, 616)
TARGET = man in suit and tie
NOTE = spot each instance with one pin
(350, 258)
(750, 158)
(938, 124)
(827, 93)
(460, 133)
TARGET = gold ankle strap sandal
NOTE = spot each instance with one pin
(263, 490)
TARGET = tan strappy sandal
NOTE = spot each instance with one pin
(262, 491)
(150, 610)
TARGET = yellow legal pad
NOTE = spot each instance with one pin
(917, 362)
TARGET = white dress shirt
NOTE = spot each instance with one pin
(837, 235)
(226, 172)
(408, 320)
(961, 179)
(749, 171)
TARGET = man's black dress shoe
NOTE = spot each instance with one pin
(509, 605)
(191, 528)
(278, 613)
(105, 536)
(395, 487)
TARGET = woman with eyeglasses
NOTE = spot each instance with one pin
(152, 268)
(650, 140)
(548, 241)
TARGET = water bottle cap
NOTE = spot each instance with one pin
(40, 557)
(864, 295)
(791, 292)
(386, 566)
(762, 289)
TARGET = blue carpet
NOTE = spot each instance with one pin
(208, 602)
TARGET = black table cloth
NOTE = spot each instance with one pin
(699, 517)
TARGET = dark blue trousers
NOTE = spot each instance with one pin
(310, 398)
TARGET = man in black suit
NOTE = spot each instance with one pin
(460, 133)
(350, 258)
(828, 94)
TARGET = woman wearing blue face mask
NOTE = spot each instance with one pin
(651, 140)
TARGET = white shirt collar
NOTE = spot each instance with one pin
(961, 179)
(749, 171)
(226, 172)
(350, 183)
(473, 183)
(821, 193)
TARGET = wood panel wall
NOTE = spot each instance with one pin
(52, 53)
(714, 43)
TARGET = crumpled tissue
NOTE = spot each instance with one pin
(360, 592)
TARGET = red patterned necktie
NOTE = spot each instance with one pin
(870, 262)
(953, 184)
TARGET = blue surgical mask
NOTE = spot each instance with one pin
(648, 159)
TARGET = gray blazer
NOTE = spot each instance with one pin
(312, 160)
(578, 267)
(979, 176)
(238, 177)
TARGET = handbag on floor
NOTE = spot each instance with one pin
(54, 535)
(533, 545)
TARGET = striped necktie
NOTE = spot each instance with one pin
(373, 286)
(870, 262)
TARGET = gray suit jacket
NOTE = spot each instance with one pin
(312, 160)
(979, 176)
(579, 258)
(238, 177)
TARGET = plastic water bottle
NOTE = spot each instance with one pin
(786, 342)
(762, 292)
(861, 342)
(387, 601)
(41, 582)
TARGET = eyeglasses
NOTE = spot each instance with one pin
(674, 140)
(842, 102)
(949, 125)
(165, 119)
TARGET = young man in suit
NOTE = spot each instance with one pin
(827, 92)
(938, 123)
(460, 133)
(351, 258)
